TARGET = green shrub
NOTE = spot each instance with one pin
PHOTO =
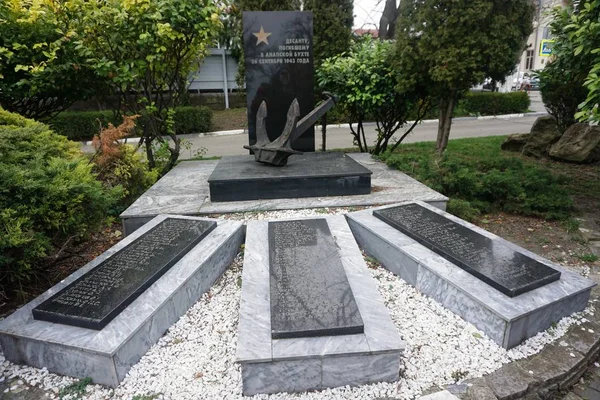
(48, 195)
(483, 178)
(463, 209)
(561, 96)
(494, 103)
(83, 125)
(192, 120)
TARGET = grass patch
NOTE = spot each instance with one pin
(144, 397)
(75, 390)
(588, 257)
(233, 118)
(480, 178)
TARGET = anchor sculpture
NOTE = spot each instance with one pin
(278, 151)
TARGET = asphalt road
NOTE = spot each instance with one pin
(341, 137)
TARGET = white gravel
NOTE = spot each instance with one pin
(195, 358)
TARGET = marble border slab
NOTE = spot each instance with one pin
(107, 355)
(185, 191)
(507, 321)
(289, 365)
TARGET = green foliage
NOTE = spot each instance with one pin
(364, 80)
(463, 209)
(332, 27)
(474, 103)
(589, 257)
(48, 195)
(488, 103)
(41, 69)
(562, 80)
(75, 390)
(478, 172)
(83, 125)
(192, 120)
(578, 44)
(145, 396)
(147, 49)
(448, 47)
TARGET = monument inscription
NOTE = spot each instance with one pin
(278, 51)
(506, 270)
(98, 296)
(310, 293)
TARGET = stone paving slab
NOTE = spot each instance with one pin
(510, 382)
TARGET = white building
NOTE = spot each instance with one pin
(536, 54)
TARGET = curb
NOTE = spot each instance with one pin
(542, 376)
(339, 126)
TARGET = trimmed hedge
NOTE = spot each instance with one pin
(474, 103)
(83, 125)
(80, 125)
(494, 103)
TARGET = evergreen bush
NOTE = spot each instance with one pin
(484, 179)
(48, 196)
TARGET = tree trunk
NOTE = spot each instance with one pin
(324, 132)
(387, 23)
(148, 144)
(362, 128)
(445, 122)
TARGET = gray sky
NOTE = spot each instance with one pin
(367, 13)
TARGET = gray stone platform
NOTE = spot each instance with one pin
(507, 321)
(107, 355)
(299, 364)
(185, 191)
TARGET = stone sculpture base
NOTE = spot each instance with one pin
(106, 355)
(299, 364)
(507, 321)
(239, 178)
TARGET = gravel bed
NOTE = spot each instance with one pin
(195, 358)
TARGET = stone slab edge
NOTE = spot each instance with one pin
(505, 321)
(270, 366)
(107, 355)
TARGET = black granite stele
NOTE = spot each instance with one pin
(278, 51)
(238, 178)
(310, 293)
(506, 270)
(98, 296)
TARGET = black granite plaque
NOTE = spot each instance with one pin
(278, 51)
(238, 178)
(99, 295)
(501, 267)
(310, 293)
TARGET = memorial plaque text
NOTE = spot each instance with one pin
(278, 51)
(506, 270)
(98, 296)
(310, 293)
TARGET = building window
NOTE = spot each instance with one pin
(547, 33)
(529, 60)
